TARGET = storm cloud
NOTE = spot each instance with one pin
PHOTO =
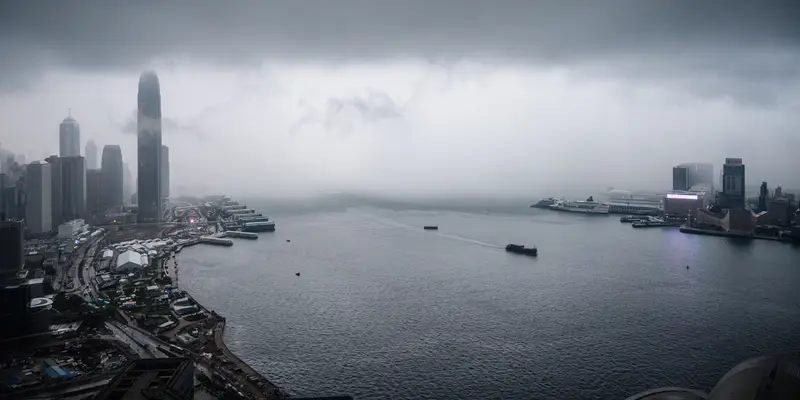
(728, 37)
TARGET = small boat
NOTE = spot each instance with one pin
(430, 227)
(297, 273)
(633, 218)
(653, 222)
(520, 249)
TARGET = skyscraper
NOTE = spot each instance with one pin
(93, 191)
(164, 171)
(111, 180)
(69, 138)
(11, 245)
(733, 174)
(127, 183)
(73, 187)
(687, 175)
(6, 158)
(149, 148)
(91, 155)
(704, 174)
(37, 190)
(680, 178)
(13, 196)
(56, 190)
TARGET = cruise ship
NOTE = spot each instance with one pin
(588, 206)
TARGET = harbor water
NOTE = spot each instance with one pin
(385, 309)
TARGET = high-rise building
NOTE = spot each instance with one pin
(69, 138)
(5, 181)
(149, 148)
(165, 171)
(703, 175)
(12, 197)
(733, 194)
(56, 190)
(11, 245)
(37, 191)
(6, 157)
(111, 181)
(73, 187)
(127, 183)
(680, 178)
(91, 155)
(93, 191)
(687, 175)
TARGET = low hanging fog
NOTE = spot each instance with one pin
(413, 97)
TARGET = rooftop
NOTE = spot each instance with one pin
(165, 378)
(129, 257)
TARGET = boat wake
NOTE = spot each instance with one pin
(397, 224)
(469, 240)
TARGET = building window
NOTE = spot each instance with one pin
(732, 184)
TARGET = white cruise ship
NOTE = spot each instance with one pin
(588, 206)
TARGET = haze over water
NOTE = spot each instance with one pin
(383, 309)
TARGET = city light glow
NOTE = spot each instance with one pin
(682, 196)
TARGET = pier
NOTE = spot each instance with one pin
(239, 234)
(215, 240)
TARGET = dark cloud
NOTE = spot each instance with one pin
(128, 34)
(374, 107)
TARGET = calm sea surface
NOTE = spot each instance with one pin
(383, 309)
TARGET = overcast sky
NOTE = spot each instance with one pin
(266, 97)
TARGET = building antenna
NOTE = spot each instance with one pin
(69, 112)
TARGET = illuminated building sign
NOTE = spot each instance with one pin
(682, 196)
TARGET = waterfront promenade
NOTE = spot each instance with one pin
(225, 362)
(249, 376)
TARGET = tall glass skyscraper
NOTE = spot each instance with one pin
(111, 178)
(91, 155)
(73, 187)
(37, 191)
(69, 138)
(149, 148)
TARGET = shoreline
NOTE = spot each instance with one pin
(708, 232)
(241, 372)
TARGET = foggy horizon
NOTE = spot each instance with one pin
(519, 98)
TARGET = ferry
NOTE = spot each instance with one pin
(588, 206)
(260, 226)
(633, 218)
(520, 249)
(545, 203)
(653, 222)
